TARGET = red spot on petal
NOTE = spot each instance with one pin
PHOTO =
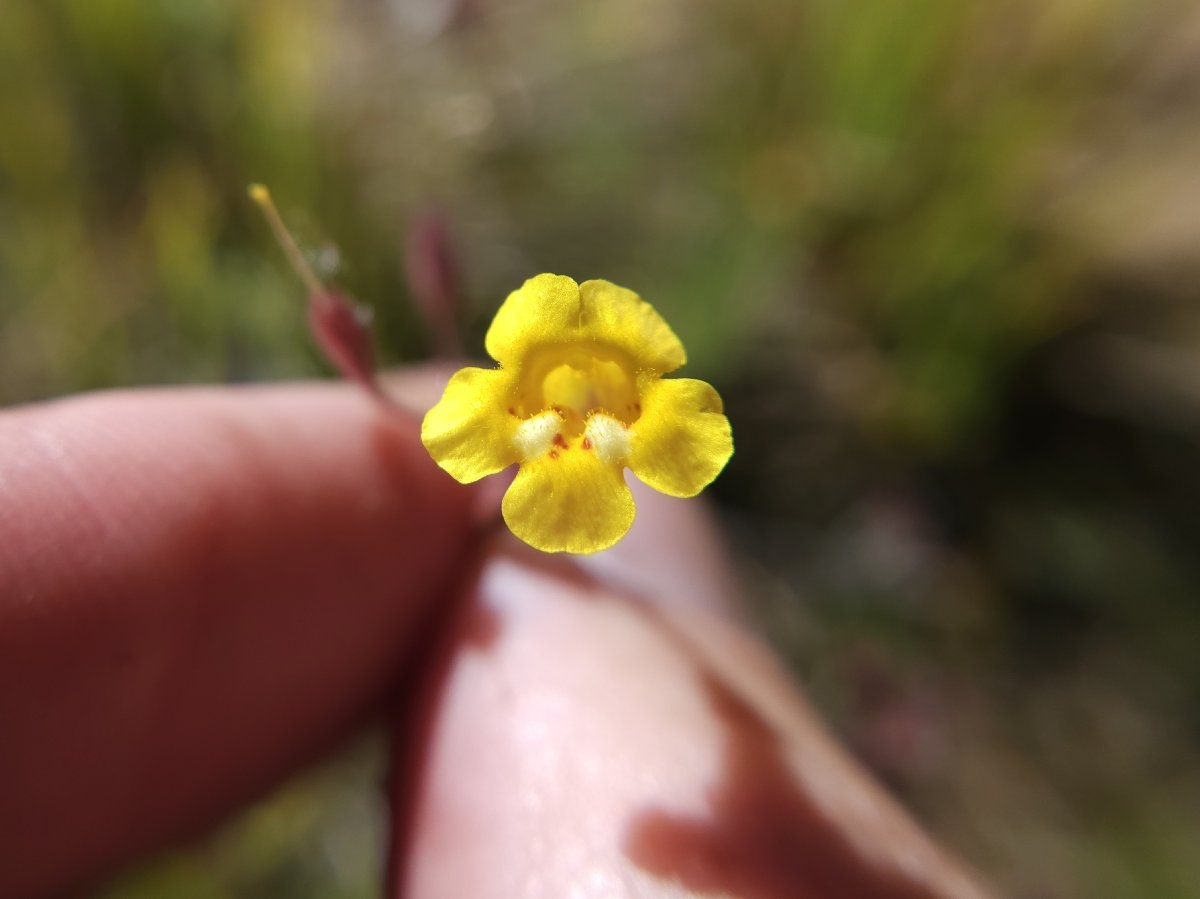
(512, 411)
(553, 454)
(559, 440)
(587, 443)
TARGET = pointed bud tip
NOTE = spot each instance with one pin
(262, 197)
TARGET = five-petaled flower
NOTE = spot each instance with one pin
(578, 397)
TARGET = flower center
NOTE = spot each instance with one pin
(577, 381)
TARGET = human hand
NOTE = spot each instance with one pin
(202, 590)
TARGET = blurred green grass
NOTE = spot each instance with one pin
(941, 258)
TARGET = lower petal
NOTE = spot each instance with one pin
(682, 440)
(469, 432)
(569, 501)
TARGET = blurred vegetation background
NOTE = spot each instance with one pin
(942, 258)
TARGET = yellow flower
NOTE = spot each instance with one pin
(578, 397)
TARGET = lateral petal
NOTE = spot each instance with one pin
(469, 432)
(682, 440)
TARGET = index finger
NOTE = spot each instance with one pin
(200, 589)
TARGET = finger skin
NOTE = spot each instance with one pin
(579, 742)
(200, 590)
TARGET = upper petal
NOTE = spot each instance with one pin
(542, 310)
(618, 316)
(469, 432)
(682, 440)
(569, 501)
(553, 309)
